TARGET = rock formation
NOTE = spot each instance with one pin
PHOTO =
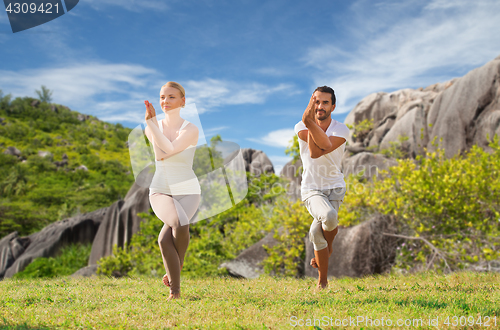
(248, 264)
(462, 111)
(257, 161)
(292, 171)
(120, 223)
(17, 252)
(358, 250)
(104, 227)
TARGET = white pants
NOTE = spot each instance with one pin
(324, 206)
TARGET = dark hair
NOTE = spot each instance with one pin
(326, 89)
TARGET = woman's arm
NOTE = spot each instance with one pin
(188, 136)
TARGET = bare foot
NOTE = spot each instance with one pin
(322, 286)
(174, 296)
(165, 280)
(313, 263)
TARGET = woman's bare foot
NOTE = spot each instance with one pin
(165, 280)
(322, 286)
(174, 296)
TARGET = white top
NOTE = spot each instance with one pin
(174, 175)
(322, 172)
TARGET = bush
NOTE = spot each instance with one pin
(361, 130)
(398, 149)
(449, 208)
(71, 258)
(290, 222)
(213, 240)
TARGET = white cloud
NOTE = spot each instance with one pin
(272, 71)
(77, 83)
(120, 111)
(409, 51)
(81, 87)
(279, 138)
(211, 93)
(215, 130)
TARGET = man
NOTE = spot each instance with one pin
(322, 142)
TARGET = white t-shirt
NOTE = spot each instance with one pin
(322, 172)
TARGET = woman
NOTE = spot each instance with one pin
(174, 192)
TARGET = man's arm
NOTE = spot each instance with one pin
(316, 133)
(318, 136)
(316, 151)
(335, 142)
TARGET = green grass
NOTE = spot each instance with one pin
(264, 303)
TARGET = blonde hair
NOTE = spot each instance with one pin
(176, 86)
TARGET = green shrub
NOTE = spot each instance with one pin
(450, 205)
(71, 258)
(361, 129)
(213, 240)
(397, 149)
(290, 222)
(30, 192)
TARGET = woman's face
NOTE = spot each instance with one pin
(170, 98)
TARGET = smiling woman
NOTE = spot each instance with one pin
(174, 193)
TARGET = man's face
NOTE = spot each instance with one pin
(324, 106)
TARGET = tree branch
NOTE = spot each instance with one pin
(435, 249)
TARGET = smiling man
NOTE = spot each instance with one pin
(322, 143)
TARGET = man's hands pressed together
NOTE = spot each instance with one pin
(318, 142)
(309, 114)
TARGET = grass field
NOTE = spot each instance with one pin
(423, 301)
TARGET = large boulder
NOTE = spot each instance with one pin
(256, 161)
(292, 171)
(359, 250)
(13, 151)
(248, 264)
(11, 247)
(367, 163)
(86, 271)
(19, 252)
(465, 112)
(393, 115)
(120, 223)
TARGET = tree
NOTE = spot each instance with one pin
(293, 149)
(45, 95)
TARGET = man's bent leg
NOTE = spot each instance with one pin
(321, 252)
(330, 236)
(322, 261)
(329, 223)
(322, 233)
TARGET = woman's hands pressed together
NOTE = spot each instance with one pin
(150, 110)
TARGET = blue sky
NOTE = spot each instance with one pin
(249, 66)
